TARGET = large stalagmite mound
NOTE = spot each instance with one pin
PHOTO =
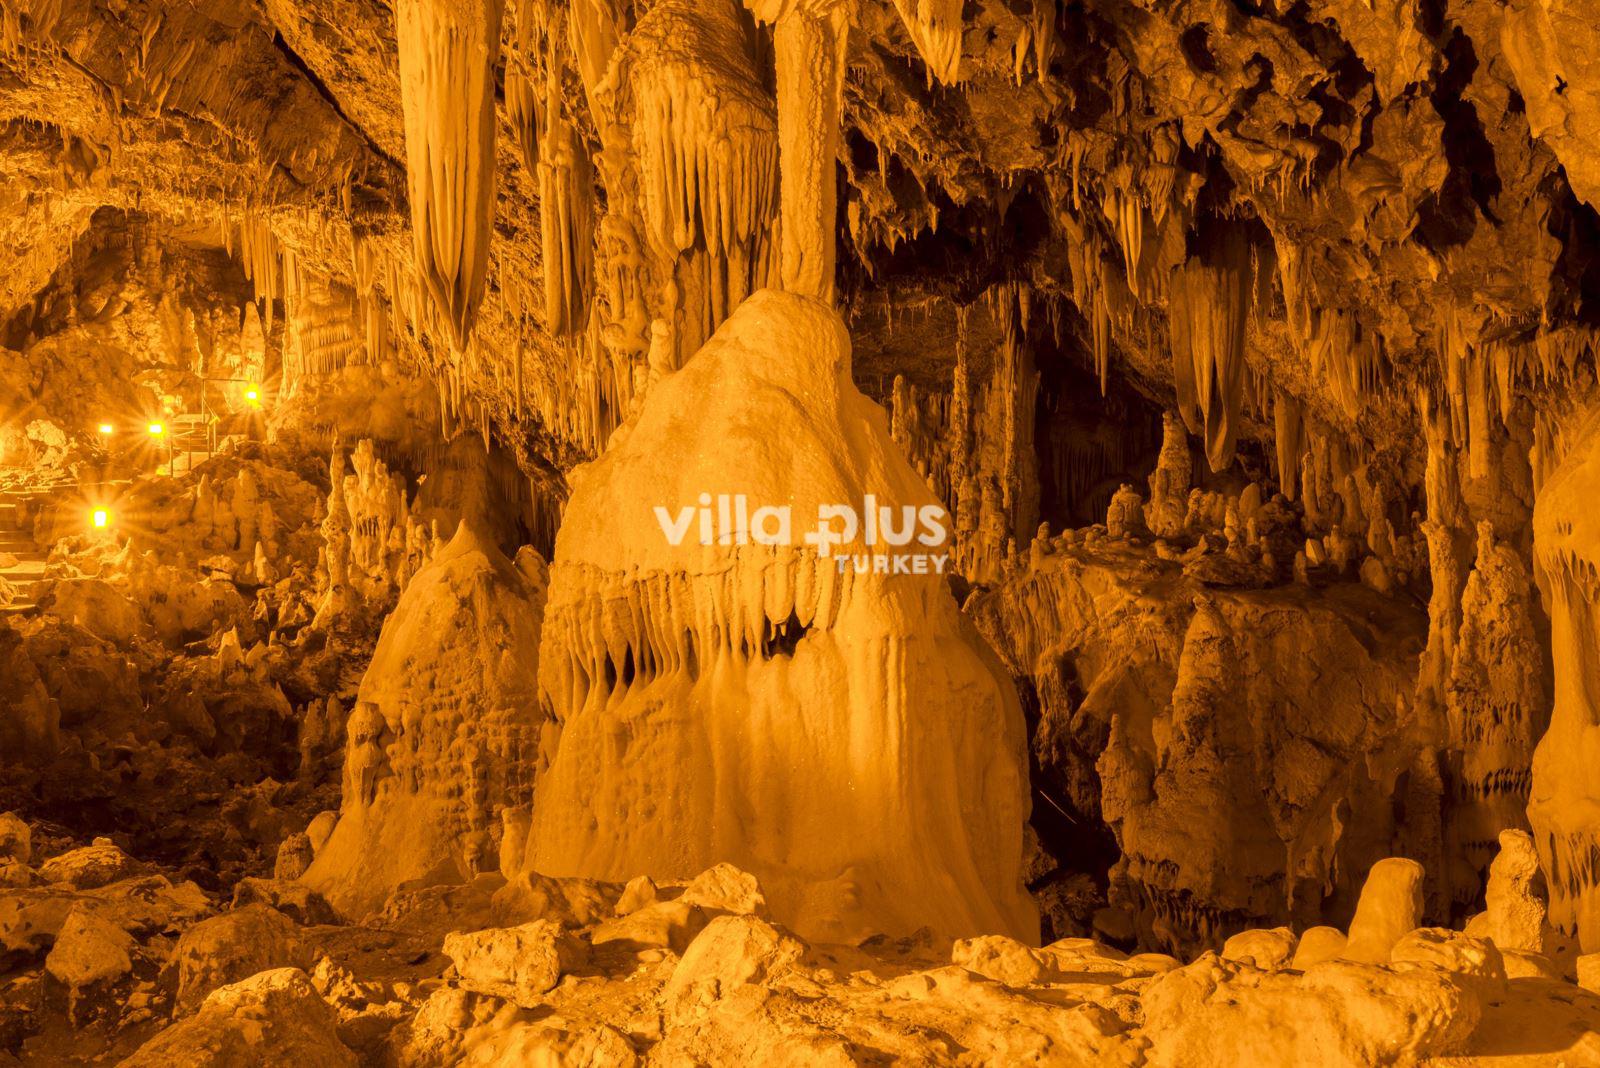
(835, 733)
(442, 737)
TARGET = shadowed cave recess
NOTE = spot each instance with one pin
(431, 631)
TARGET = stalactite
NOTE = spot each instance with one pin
(566, 219)
(1288, 424)
(594, 28)
(960, 403)
(1182, 351)
(935, 27)
(448, 50)
(1014, 391)
(1210, 300)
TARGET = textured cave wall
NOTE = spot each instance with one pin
(1351, 248)
(133, 321)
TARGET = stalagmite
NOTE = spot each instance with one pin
(435, 753)
(1495, 704)
(867, 747)
(1169, 482)
(448, 50)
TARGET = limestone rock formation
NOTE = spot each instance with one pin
(1072, 531)
(1566, 827)
(444, 735)
(852, 746)
(1159, 697)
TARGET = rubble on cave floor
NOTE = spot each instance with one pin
(112, 960)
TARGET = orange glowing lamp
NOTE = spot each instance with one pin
(100, 518)
(157, 429)
(106, 429)
(253, 396)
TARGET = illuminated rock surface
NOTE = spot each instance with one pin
(1248, 711)
(849, 746)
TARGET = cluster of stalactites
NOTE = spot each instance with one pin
(1209, 306)
(448, 50)
(268, 264)
(1036, 43)
(556, 155)
(1473, 408)
(1342, 352)
(920, 422)
(524, 80)
(975, 444)
(42, 16)
(321, 336)
(705, 139)
(1482, 369)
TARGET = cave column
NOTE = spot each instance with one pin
(810, 40)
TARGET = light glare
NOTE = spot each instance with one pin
(100, 518)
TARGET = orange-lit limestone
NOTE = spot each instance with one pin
(447, 59)
(1496, 708)
(441, 741)
(809, 40)
(706, 140)
(1565, 807)
(1210, 310)
(835, 734)
(935, 28)
(566, 219)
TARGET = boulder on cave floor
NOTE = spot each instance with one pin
(271, 1017)
(231, 947)
(516, 963)
(91, 866)
(91, 956)
(16, 838)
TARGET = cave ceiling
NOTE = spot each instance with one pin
(1422, 172)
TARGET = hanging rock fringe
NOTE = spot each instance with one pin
(1209, 307)
(447, 60)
